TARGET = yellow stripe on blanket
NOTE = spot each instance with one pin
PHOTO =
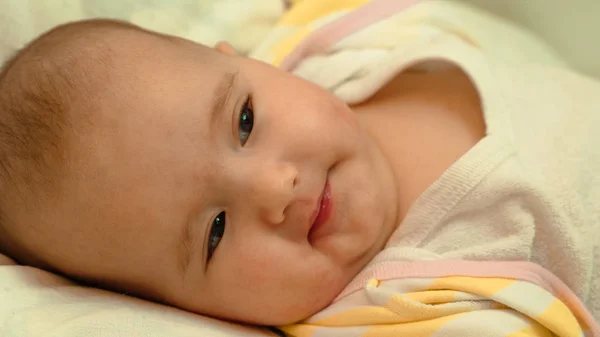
(480, 286)
(533, 331)
(415, 329)
(304, 12)
(433, 297)
(302, 19)
(288, 44)
(560, 320)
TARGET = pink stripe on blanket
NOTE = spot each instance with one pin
(518, 270)
(362, 17)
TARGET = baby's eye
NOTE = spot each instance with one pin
(217, 230)
(246, 121)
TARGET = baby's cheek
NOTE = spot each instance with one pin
(258, 267)
(267, 260)
(283, 268)
(282, 288)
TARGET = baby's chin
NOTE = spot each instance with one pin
(290, 314)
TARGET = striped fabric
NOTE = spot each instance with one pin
(302, 19)
(446, 306)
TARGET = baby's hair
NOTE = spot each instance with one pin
(42, 87)
(31, 126)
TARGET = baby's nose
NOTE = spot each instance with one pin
(271, 190)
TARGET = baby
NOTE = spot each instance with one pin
(155, 166)
(188, 175)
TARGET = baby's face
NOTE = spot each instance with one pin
(199, 180)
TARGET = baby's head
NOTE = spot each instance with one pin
(155, 166)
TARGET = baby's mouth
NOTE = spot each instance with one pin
(321, 214)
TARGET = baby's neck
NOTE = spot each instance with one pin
(423, 123)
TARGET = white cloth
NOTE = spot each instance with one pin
(529, 190)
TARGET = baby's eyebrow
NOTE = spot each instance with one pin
(187, 243)
(221, 96)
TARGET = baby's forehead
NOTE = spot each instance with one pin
(97, 63)
(65, 56)
(87, 47)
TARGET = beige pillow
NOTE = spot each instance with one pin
(36, 303)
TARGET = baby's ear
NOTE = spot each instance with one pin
(225, 48)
